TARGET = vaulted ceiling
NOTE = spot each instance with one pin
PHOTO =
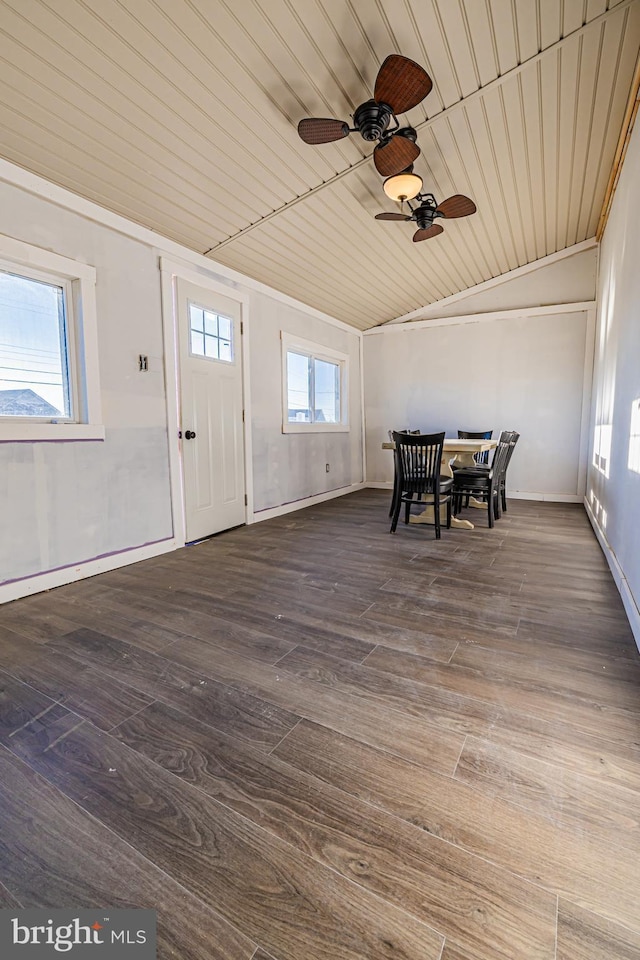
(181, 115)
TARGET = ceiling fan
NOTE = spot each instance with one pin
(428, 210)
(400, 85)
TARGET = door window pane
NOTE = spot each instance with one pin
(34, 353)
(210, 324)
(224, 328)
(197, 343)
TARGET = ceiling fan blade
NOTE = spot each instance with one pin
(431, 231)
(391, 216)
(395, 155)
(456, 206)
(315, 130)
(401, 83)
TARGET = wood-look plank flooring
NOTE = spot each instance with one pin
(310, 740)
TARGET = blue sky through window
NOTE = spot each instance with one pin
(32, 353)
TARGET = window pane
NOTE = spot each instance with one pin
(34, 379)
(211, 347)
(210, 324)
(298, 388)
(225, 350)
(196, 320)
(197, 344)
(327, 392)
(224, 328)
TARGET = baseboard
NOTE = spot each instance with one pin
(36, 583)
(631, 609)
(621, 582)
(544, 497)
(284, 508)
(511, 495)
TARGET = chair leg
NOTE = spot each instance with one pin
(449, 513)
(394, 494)
(490, 508)
(436, 514)
(407, 511)
(503, 489)
(397, 506)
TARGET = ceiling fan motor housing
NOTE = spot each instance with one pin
(425, 215)
(371, 119)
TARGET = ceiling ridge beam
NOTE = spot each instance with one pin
(425, 124)
(621, 149)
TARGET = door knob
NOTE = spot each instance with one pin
(189, 434)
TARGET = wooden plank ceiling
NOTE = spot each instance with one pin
(181, 115)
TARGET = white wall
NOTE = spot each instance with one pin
(62, 505)
(292, 466)
(614, 496)
(524, 373)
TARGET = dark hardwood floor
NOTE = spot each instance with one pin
(310, 740)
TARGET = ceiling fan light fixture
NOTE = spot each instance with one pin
(403, 186)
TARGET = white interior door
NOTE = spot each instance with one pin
(211, 410)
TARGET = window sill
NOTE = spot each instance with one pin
(50, 432)
(315, 428)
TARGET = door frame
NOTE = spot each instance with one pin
(170, 272)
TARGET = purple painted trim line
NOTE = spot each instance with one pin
(61, 440)
(79, 563)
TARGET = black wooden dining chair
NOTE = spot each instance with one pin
(395, 468)
(515, 436)
(484, 483)
(418, 459)
(507, 436)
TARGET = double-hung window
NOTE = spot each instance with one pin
(49, 387)
(314, 387)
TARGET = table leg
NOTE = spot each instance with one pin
(427, 516)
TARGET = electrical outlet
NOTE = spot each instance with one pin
(143, 363)
(326, 467)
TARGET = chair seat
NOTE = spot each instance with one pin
(481, 470)
(475, 481)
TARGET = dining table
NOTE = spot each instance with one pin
(461, 453)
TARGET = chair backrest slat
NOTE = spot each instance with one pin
(501, 456)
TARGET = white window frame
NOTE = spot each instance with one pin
(78, 281)
(315, 351)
